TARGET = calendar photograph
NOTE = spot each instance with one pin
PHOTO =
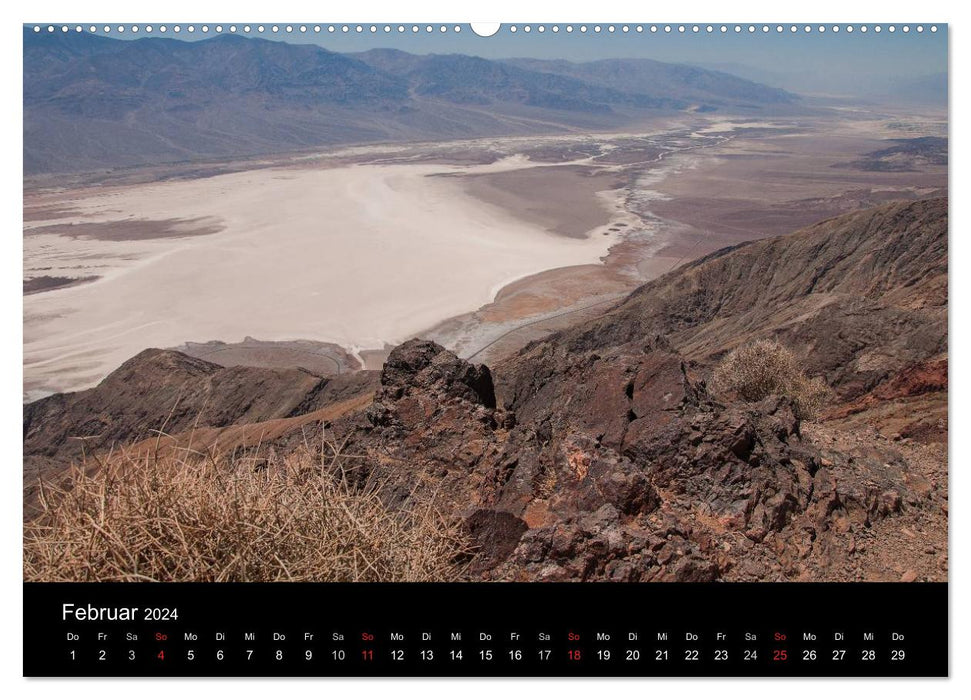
(453, 304)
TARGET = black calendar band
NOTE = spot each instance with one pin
(486, 629)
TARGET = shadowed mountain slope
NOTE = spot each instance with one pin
(686, 84)
(857, 298)
(168, 391)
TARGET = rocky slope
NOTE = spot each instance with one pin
(165, 390)
(858, 298)
(598, 453)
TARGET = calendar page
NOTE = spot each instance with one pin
(544, 349)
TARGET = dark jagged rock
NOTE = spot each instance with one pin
(614, 458)
(495, 535)
(421, 365)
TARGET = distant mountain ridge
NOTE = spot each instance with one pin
(93, 102)
(681, 82)
(472, 80)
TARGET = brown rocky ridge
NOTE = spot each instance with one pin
(599, 453)
(170, 392)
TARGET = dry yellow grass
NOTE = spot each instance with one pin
(763, 368)
(187, 516)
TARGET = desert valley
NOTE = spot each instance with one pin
(469, 243)
(521, 312)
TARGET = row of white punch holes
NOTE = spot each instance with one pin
(415, 28)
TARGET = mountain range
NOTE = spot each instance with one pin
(93, 102)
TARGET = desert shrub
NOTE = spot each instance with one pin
(763, 368)
(188, 517)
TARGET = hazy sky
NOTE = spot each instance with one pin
(829, 62)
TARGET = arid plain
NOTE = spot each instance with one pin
(481, 245)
